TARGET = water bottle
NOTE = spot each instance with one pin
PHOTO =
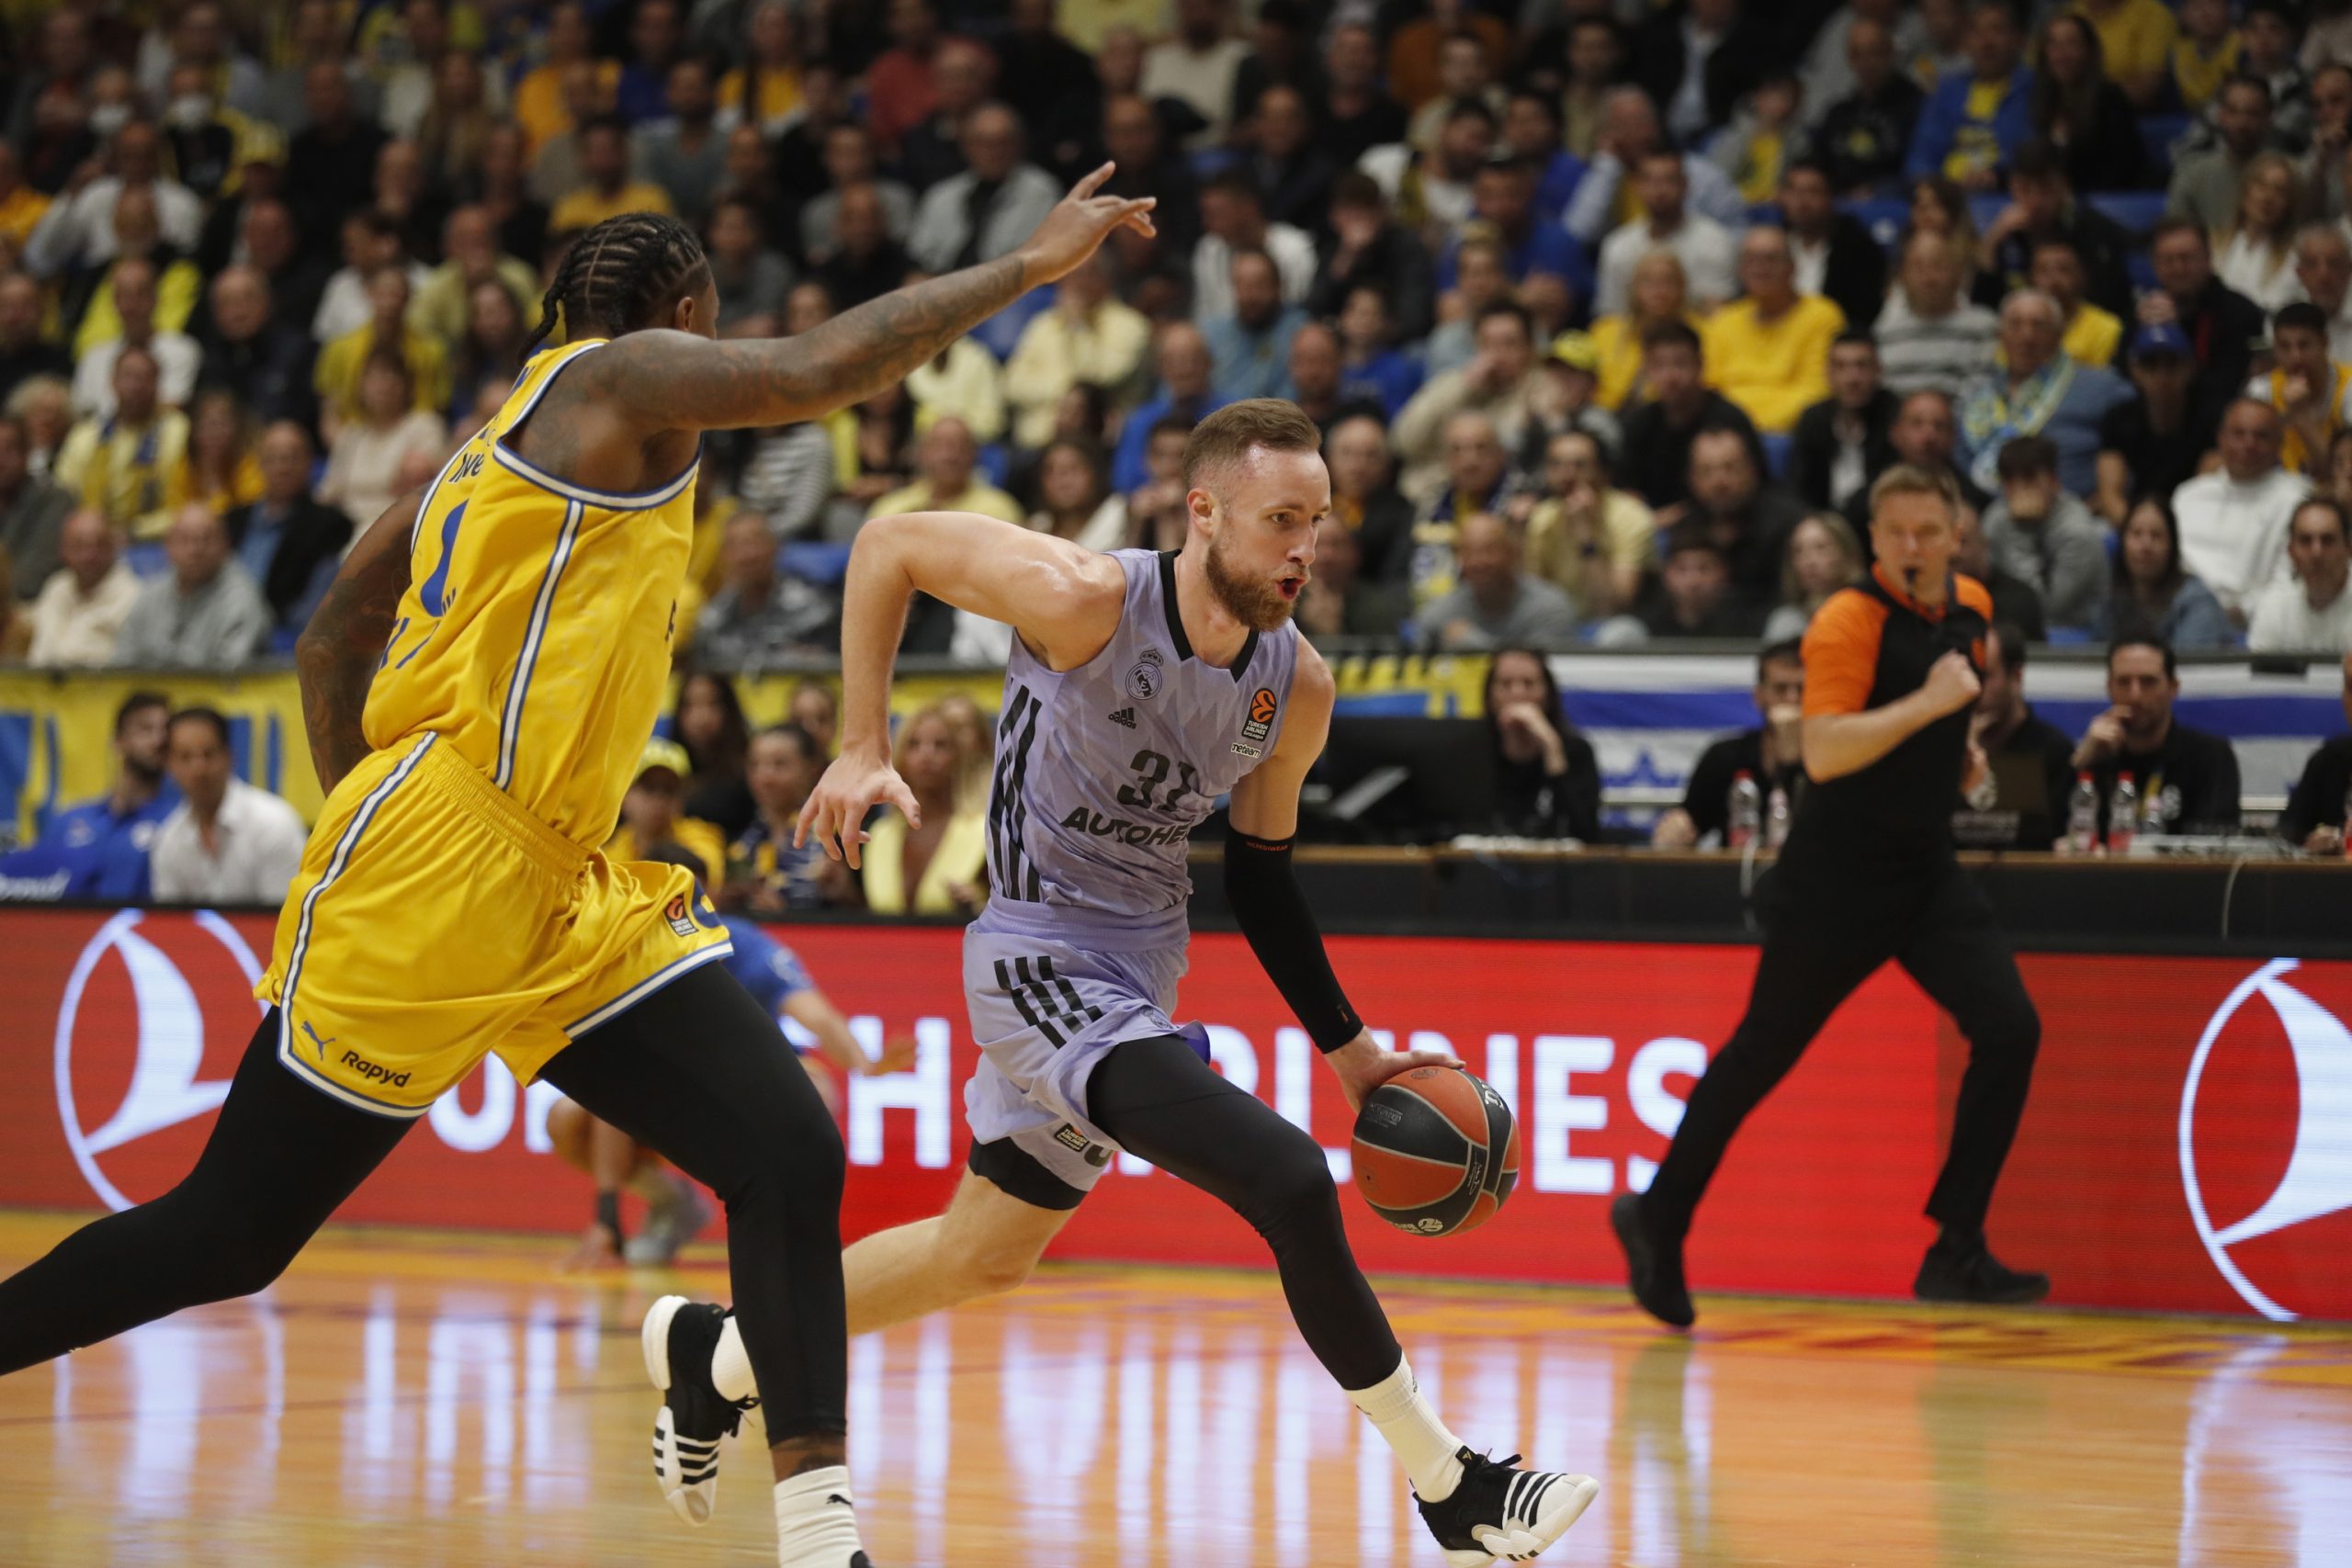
(1747, 808)
(1776, 819)
(2122, 815)
(2082, 816)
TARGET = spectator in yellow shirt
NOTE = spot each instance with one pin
(139, 237)
(765, 89)
(337, 379)
(539, 106)
(121, 466)
(2136, 38)
(2092, 334)
(1769, 351)
(223, 469)
(2206, 53)
(651, 813)
(945, 461)
(20, 206)
(1660, 292)
(604, 164)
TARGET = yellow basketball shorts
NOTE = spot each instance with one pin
(434, 920)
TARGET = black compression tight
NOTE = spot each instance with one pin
(1157, 1099)
(697, 1070)
(280, 1160)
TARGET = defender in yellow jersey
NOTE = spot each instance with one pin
(476, 686)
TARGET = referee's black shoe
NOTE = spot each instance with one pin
(1653, 1265)
(1963, 1268)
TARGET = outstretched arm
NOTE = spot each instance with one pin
(1262, 821)
(336, 657)
(674, 380)
(1060, 600)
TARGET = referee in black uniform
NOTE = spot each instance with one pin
(1892, 668)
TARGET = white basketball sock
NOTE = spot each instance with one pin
(1420, 1441)
(730, 1369)
(815, 1525)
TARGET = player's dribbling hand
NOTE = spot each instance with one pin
(1363, 1067)
(852, 786)
(1077, 227)
(1952, 683)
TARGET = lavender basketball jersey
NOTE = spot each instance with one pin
(1102, 771)
(1101, 774)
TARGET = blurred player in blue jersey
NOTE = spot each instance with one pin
(774, 976)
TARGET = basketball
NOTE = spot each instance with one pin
(1436, 1151)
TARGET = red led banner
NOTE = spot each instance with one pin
(2188, 1146)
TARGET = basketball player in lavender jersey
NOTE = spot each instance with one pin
(1140, 689)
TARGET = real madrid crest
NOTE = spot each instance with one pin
(1143, 680)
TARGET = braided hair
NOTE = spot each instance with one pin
(617, 273)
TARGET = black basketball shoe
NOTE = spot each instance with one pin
(1963, 1268)
(1499, 1513)
(680, 1338)
(1653, 1267)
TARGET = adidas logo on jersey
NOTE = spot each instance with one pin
(1125, 716)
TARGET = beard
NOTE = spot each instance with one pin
(1258, 605)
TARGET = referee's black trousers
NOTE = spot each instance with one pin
(1815, 956)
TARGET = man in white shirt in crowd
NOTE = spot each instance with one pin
(177, 359)
(2233, 520)
(77, 619)
(1629, 132)
(1708, 251)
(1233, 214)
(1197, 65)
(228, 842)
(2313, 614)
(2323, 269)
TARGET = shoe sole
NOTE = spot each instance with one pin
(1583, 1498)
(655, 1339)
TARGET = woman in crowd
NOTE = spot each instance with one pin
(939, 868)
(1660, 292)
(1823, 557)
(2154, 593)
(221, 469)
(1939, 207)
(2083, 114)
(1547, 780)
(491, 348)
(817, 710)
(708, 722)
(766, 90)
(753, 282)
(1074, 499)
(2256, 254)
(370, 454)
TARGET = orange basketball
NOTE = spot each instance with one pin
(1436, 1151)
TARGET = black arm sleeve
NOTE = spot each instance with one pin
(1273, 915)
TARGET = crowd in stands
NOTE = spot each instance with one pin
(1609, 311)
(1615, 307)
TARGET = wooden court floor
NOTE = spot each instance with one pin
(422, 1398)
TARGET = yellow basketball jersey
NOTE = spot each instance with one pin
(535, 633)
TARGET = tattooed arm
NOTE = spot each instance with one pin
(339, 652)
(674, 380)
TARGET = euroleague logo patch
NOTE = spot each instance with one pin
(1259, 725)
(2266, 1143)
(682, 920)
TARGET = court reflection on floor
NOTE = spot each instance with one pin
(403, 1404)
